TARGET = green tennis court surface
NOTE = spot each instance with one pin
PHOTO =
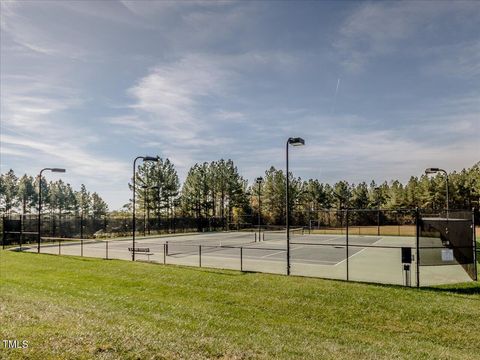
(367, 258)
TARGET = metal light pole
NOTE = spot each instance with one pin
(294, 142)
(259, 181)
(144, 158)
(39, 223)
(434, 171)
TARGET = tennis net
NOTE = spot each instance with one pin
(276, 233)
(214, 242)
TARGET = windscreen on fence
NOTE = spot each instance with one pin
(17, 231)
(448, 240)
(101, 226)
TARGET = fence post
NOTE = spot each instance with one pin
(81, 225)
(417, 222)
(378, 222)
(200, 255)
(346, 228)
(3, 232)
(22, 221)
(241, 258)
(398, 224)
(474, 245)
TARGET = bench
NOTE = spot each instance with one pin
(142, 251)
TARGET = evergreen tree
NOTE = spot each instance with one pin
(26, 193)
(9, 196)
(98, 206)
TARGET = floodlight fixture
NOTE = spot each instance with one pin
(296, 141)
(259, 180)
(151, 158)
(433, 170)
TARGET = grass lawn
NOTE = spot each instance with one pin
(71, 307)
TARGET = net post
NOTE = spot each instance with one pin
(59, 247)
(417, 243)
(81, 247)
(200, 255)
(106, 250)
(474, 245)
(346, 247)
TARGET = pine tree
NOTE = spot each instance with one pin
(26, 193)
(98, 206)
(9, 195)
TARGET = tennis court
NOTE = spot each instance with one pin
(335, 256)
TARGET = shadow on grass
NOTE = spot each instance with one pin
(470, 289)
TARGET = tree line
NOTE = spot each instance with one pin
(311, 196)
(20, 195)
(217, 190)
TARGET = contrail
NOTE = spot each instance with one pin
(335, 98)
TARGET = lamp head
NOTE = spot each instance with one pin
(58, 170)
(151, 158)
(432, 170)
(297, 141)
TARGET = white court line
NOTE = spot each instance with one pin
(298, 261)
(275, 253)
(358, 252)
(279, 252)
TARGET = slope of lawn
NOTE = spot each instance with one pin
(70, 307)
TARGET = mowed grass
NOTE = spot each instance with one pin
(71, 307)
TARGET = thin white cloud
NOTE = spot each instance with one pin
(32, 35)
(78, 160)
(378, 28)
(36, 129)
(172, 100)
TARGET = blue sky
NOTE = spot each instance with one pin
(379, 90)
